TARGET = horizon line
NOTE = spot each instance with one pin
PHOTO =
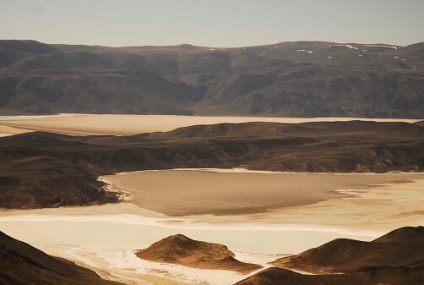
(211, 46)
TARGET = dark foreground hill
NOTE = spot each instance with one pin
(50, 170)
(396, 258)
(22, 264)
(366, 276)
(285, 79)
(179, 249)
(400, 248)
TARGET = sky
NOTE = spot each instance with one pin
(218, 23)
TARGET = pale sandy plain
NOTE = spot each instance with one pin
(208, 191)
(108, 124)
(361, 206)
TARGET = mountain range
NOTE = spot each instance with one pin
(306, 79)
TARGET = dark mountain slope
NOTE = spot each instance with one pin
(22, 264)
(396, 258)
(50, 170)
(90, 83)
(12, 51)
(400, 248)
(367, 276)
(284, 79)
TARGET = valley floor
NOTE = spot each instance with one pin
(331, 206)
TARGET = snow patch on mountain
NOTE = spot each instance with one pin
(382, 46)
(343, 45)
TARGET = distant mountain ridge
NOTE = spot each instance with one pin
(286, 79)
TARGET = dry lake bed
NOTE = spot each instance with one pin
(259, 215)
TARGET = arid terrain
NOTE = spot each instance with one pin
(195, 142)
(66, 167)
(161, 207)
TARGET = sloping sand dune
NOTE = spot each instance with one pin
(108, 124)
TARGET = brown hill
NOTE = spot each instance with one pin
(285, 79)
(274, 275)
(179, 249)
(396, 258)
(366, 276)
(403, 247)
(22, 264)
(51, 170)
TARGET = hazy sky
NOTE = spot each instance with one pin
(212, 22)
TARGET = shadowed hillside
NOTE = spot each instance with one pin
(396, 258)
(22, 264)
(49, 170)
(366, 276)
(400, 248)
